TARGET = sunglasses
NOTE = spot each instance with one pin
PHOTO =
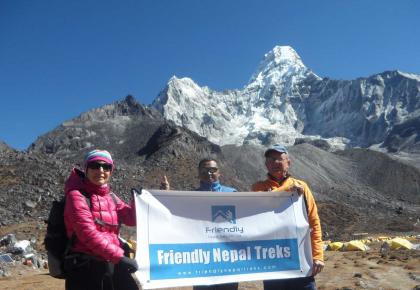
(208, 170)
(96, 166)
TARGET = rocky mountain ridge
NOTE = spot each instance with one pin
(285, 100)
(356, 189)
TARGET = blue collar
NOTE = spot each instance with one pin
(214, 186)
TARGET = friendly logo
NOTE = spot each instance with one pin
(223, 213)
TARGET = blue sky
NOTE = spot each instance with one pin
(61, 58)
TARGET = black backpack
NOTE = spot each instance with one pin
(56, 241)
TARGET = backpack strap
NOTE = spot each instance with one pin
(306, 204)
(72, 239)
(100, 221)
(114, 198)
(87, 197)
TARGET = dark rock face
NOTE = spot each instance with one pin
(356, 190)
(123, 128)
(179, 141)
(366, 111)
(404, 137)
(322, 144)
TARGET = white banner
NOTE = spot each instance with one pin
(189, 238)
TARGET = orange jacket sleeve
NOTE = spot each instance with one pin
(315, 225)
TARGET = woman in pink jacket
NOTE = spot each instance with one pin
(96, 260)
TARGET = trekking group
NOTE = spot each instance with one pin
(93, 255)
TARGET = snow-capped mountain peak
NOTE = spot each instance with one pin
(280, 57)
(285, 101)
(235, 116)
(277, 66)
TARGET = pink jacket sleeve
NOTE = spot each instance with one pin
(126, 213)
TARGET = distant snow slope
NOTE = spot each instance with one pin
(285, 100)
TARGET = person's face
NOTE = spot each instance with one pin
(277, 164)
(209, 172)
(99, 172)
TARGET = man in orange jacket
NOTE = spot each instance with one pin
(278, 179)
